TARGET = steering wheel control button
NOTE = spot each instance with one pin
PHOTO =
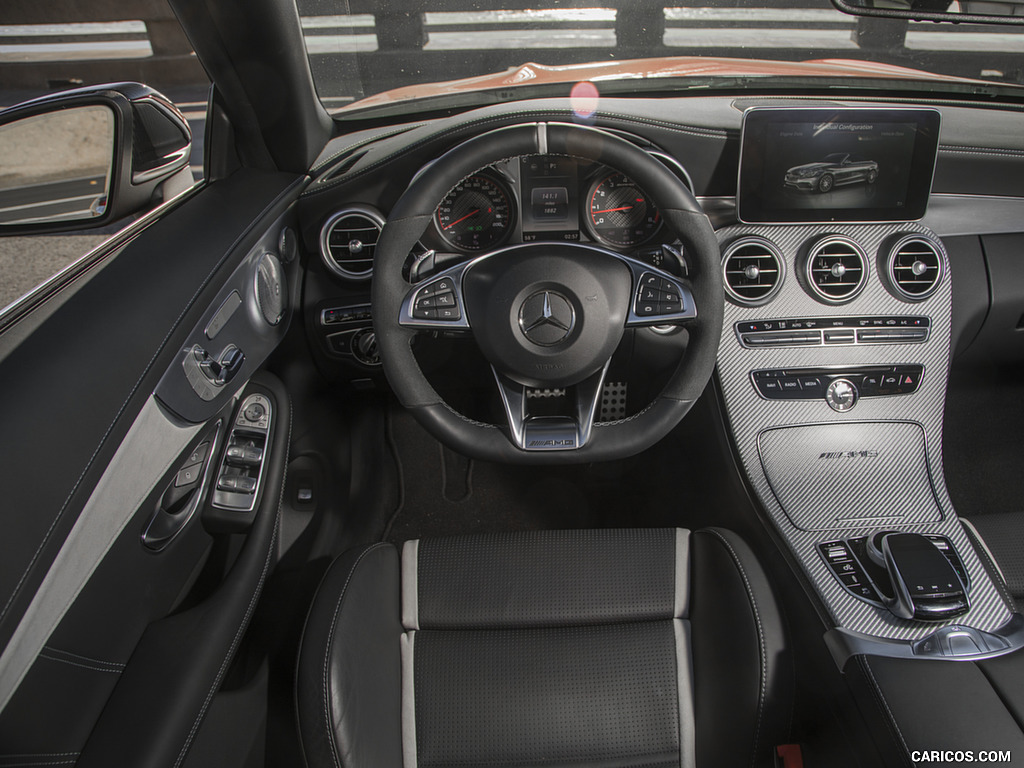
(657, 297)
(547, 318)
(437, 301)
(841, 395)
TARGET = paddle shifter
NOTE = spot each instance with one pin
(924, 584)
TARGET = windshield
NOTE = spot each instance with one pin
(374, 57)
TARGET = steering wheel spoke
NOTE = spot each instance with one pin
(659, 298)
(437, 304)
(567, 432)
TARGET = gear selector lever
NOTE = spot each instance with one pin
(924, 584)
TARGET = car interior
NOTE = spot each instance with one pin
(670, 426)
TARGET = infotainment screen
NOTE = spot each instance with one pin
(842, 164)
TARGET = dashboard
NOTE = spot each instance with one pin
(839, 310)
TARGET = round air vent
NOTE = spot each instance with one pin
(914, 267)
(836, 269)
(348, 240)
(753, 270)
(269, 288)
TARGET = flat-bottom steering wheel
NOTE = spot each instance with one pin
(548, 314)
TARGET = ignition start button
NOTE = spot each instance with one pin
(841, 395)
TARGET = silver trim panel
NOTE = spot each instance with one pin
(749, 415)
(151, 448)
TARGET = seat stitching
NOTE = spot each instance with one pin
(760, 640)
(80, 657)
(876, 690)
(330, 641)
(92, 667)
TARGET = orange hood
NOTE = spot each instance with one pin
(641, 69)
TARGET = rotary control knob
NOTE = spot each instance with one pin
(364, 347)
(841, 395)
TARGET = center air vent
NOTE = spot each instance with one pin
(914, 267)
(836, 269)
(753, 270)
(348, 240)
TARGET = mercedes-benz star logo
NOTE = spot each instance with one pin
(546, 318)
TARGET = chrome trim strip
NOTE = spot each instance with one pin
(844, 643)
(17, 309)
(458, 272)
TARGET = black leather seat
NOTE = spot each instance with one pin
(651, 647)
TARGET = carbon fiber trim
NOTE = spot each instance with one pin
(751, 417)
(831, 477)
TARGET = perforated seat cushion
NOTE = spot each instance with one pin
(543, 649)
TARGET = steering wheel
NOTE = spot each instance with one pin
(548, 314)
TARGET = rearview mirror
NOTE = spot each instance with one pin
(957, 11)
(84, 158)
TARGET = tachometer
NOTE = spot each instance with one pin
(476, 215)
(620, 213)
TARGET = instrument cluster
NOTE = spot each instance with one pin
(542, 197)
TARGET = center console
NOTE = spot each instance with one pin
(833, 376)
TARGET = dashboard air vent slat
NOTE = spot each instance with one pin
(914, 267)
(753, 269)
(348, 241)
(836, 269)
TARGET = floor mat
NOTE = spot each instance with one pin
(676, 483)
(444, 493)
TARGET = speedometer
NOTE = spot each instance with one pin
(620, 213)
(476, 215)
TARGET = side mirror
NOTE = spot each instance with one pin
(84, 158)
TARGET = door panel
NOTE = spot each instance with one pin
(141, 636)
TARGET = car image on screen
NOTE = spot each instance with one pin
(834, 170)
